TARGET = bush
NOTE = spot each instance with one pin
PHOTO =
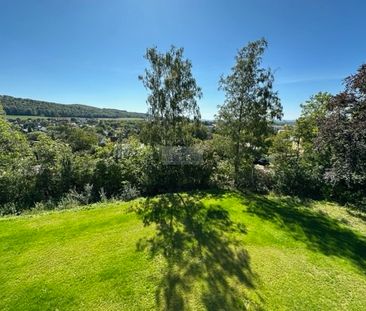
(263, 179)
(129, 192)
(74, 198)
(292, 177)
(9, 209)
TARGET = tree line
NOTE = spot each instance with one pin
(322, 155)
(30, 107)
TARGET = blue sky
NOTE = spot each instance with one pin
(91, 51)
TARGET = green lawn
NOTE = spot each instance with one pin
(211, 251)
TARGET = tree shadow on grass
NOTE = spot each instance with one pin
(358, 214)
(318, 231)
(200, 250)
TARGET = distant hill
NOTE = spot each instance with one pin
(31, 107)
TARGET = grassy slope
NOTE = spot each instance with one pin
(269, 253)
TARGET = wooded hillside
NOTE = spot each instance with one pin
(30, 107)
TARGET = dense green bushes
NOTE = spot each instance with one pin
(36, 168)
(37, 171)
(322, 155)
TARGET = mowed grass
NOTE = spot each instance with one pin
(222, 251)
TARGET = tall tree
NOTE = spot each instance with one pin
(342, 135)
(172, 99)
(250, 106)
(172, 102)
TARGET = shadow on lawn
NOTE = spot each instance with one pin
(200, 253)
(358, 214)
(318, 231)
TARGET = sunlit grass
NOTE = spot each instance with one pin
(231, 252)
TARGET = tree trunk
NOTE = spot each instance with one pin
(237, 164)
(237, 149)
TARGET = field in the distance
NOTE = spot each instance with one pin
(227, 252)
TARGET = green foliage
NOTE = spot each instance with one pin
(82, 170)
(16, 166)
(73, 198)
(2, 111)
(30, 107)
(173, 120)
(61, 162)
(307, 126)
(296, 163)
(45, 168)
(52, 166)
(342, 139)
(172, 98)
(249, 109)
(81, 139)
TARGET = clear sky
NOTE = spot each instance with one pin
(91, 51)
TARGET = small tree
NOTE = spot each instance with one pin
(16, 165)
(307, 125)
(172, 99)
(2, 111)
(250, 107)
(298, 167)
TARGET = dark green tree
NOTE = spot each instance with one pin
(342, 137)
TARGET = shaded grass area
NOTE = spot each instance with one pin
(199, 245)
(202, 251)
(316, 230)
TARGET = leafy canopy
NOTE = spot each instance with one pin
(250, 105)
(343, 134)
(173, 95)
